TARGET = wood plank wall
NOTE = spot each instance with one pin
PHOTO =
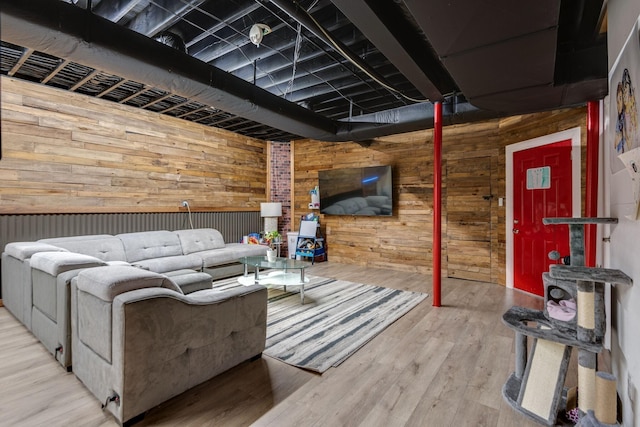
(69, 153)
(403, 241)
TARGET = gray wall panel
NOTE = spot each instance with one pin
(19, 228)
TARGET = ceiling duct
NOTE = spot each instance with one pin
(172, 40)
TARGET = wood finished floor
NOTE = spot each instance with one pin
(433, 367)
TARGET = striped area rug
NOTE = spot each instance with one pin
(338, 318)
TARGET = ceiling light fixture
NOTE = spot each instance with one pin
(257, 32)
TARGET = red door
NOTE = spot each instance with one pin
(542, 188)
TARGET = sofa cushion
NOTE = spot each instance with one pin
(215, 257)
(190, 280)
(103, 246)
(54, 263)
(117, 263)
(201, 239)
(150, 244)
(241, 250)
(232, 252)
(170, 263)
(24, 250)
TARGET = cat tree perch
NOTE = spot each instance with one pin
(536, 388)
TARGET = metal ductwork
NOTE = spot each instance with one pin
(455, 110)
(172, 40)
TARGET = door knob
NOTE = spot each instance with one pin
(516, 231)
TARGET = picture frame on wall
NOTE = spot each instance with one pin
(624, 121)
(624, 116)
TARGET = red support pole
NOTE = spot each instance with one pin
(437, 202)
(591, 184)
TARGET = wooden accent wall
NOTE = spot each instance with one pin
(404, 241)
(67, 153)
(64, 152)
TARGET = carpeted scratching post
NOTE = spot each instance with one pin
(586, 359)
(585, 322)
(606, 409)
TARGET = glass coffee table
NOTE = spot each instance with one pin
(286, 272)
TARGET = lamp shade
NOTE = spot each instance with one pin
(271, 209)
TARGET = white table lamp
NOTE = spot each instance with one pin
(270, 212)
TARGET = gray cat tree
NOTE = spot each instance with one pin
(536, 388)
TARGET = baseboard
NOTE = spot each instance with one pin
(1, 303)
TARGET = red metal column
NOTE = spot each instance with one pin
(591, 184)
(437, 201)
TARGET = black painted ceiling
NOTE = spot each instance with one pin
(329, 70)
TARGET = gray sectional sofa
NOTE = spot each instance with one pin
(135, 313)
(36, 275)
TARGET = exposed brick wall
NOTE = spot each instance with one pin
(280, 186)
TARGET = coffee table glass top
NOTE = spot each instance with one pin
(281, 274)
(279, 263)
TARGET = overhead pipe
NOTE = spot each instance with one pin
(302, 16)
(410, 118)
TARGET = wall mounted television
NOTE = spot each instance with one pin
(366, 191)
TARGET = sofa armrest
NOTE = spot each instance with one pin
(25, 250)
(16, 277)
(55, 263)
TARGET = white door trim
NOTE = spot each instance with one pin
(572, 134)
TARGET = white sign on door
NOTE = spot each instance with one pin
(539, 178)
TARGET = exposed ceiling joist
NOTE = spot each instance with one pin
(62, 30)
(392, 35)
(335, 70)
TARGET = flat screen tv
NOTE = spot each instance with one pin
(364, 191)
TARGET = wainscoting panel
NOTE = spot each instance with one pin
(25, 228)
(18, 228)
